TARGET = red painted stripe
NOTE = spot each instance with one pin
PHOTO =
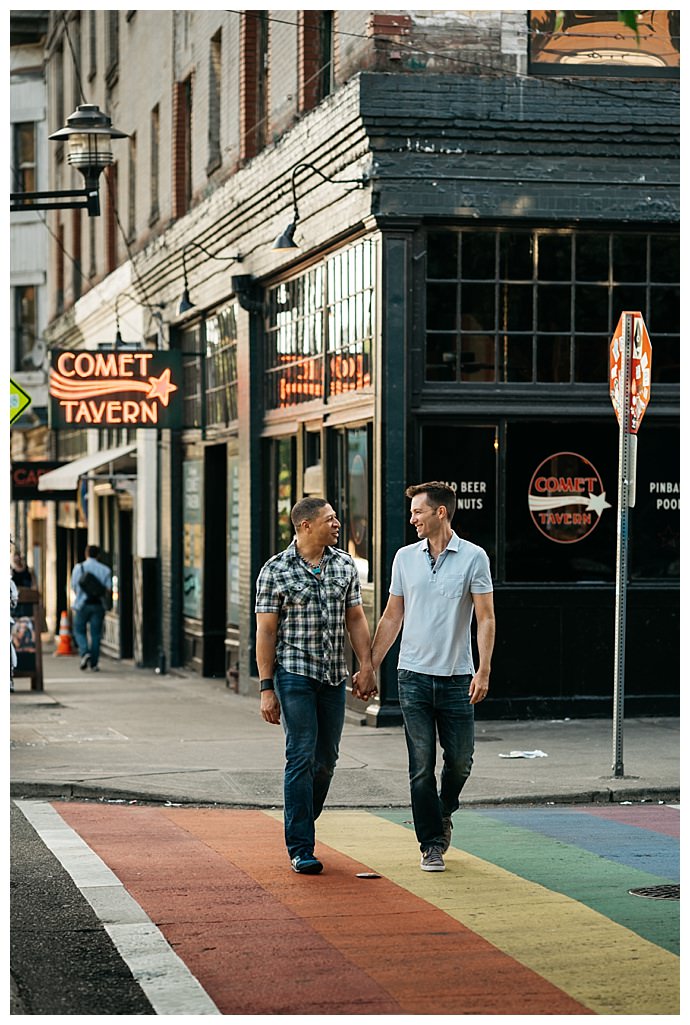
(263, 940)
(251, 953)
(656, 818)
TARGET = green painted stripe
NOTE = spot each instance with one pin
(588, 878)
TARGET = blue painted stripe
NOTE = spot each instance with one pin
(623, 844)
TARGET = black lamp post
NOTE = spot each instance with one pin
(88, 132)
(286, 239)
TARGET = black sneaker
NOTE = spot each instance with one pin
(85, 659)
(432, 860)
(306, 864)
(447, 830)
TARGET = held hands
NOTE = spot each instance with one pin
(270, 707)
(364, 684)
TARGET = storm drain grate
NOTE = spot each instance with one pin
(669, 891)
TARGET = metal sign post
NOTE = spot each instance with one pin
(630, 386)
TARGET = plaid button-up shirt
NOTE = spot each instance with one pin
(311, 611)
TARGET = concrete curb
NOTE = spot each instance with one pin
(82, 791)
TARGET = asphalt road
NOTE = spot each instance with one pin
(62, 961)
(160, 909)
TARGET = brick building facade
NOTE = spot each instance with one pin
(469, 228)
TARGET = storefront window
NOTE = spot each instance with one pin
(192, 542)
(328, 311)
(560, 501)
(233, 519)
(528, 307)
(655, 520)
(466, 459)
(221, 367)
(283, 492)
(352, 495)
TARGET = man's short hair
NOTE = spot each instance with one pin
(306, 509)
(437, 493)
(92, 551)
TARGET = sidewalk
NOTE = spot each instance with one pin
(130, 734)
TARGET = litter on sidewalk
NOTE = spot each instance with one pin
(525, 754)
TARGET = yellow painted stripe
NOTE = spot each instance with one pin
(602, 965)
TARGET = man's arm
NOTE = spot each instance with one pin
(266, 636)
(388, 629)
(486, 632)
(360, 639)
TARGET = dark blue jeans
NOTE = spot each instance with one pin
(90, 614)
(431, 706)
(312, 715)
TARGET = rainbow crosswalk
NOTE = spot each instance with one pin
(532, 916)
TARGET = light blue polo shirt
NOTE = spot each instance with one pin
(436, 636)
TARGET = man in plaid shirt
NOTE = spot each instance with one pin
(306, 597)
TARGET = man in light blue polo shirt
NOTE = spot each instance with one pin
(437, 585)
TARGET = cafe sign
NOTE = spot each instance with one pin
(116, 388)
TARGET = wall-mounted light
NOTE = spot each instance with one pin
(286, 239)
(185, 302)
(155, 311)
(88, 132)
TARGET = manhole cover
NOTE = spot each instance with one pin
(668, 892)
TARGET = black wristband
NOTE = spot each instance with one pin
(266, 684)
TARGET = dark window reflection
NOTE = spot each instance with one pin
(591, 359)
(478, 255)
(664, 309)
(441, 307)
(442, 255)
(516, 255)
(553, 358)
(630, 257)
(555, 257)
(592, 257)
(591, 308)
(478, 304)
(664, 258)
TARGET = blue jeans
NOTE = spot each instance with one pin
(312, 714)
(90, 614)
(431, 705)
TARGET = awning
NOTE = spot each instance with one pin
(66, 478)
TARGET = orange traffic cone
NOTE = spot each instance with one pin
(64, 645)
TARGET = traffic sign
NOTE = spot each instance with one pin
(640, 374)
(19, 401)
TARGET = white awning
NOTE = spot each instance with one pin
(66, 478)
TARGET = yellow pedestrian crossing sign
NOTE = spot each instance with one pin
(19, 401)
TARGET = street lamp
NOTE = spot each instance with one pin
(88, 132)
(286, 238)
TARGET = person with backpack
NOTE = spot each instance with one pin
(92, 585)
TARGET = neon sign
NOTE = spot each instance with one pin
(114, 388)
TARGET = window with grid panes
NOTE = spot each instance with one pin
(320, 328)
(529, 307)
(221, 367)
